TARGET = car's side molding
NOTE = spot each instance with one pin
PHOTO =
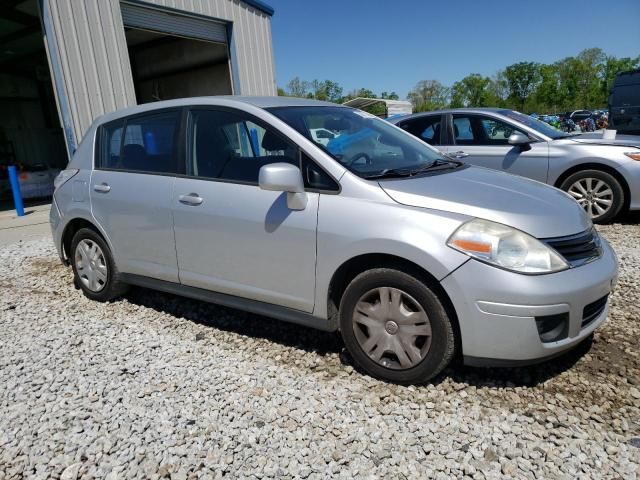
(253, 306)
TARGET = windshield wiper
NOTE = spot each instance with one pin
(438, 164)
(390, 173)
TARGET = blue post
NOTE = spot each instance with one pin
(254, 142)
(15, 189)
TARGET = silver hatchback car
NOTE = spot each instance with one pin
(415, 258)
(602, 174)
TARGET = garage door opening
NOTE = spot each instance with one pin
(166, 66)
(175, 55)
(30, 133)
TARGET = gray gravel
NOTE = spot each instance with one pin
(156, 386)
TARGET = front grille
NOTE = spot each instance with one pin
(577, 249)
(593, 310)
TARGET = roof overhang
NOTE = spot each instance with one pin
(392, 106)
(263, 7)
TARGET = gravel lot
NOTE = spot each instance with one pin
(156, 386)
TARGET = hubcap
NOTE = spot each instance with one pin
(594, 195)
(91, 265)
(392, 328)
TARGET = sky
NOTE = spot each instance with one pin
(389, 45)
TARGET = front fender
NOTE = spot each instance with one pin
(351, 227)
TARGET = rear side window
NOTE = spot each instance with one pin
(426, 128)
(145, 143)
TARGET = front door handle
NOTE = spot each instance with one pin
(102, 187)
(191, 199)
(460, 154)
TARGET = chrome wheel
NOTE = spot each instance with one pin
(392, 328)
(593, 194)
(91, 265)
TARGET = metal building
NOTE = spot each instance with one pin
(65, 62)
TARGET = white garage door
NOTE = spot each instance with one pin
(173, 23)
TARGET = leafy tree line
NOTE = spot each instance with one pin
(328, 90)
(572, 83)
(569, 84)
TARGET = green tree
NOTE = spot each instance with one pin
(297, 87)
(365, 93)
(522, 79)
(591, 62)
(281, 92)
(498, 90)
(389, 96)
(428, 95)
(471, 91)
(546, 97)
(611, 66)
(327, 90)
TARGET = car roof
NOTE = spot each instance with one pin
(477, 110)
(466, 110)
(219, 100)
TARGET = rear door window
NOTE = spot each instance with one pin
(149, 144)
(463, 132)
(481, 130)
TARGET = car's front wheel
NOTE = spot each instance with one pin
(598, 192)
(395, 327)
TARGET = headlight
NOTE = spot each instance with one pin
(63, 176)
(505, 247)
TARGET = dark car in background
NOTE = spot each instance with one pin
(579, 115)
(624, 103)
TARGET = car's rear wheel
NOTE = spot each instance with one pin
(93, 267)
(598, 192)
(395, 327)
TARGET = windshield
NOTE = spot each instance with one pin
(363, 143)
(537, 125)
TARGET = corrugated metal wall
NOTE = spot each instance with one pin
(95, 71)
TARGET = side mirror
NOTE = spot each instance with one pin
(517, 138)
(284, 177)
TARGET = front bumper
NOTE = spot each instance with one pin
(497, 309)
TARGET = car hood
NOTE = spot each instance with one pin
(596, 139)
(530, 206)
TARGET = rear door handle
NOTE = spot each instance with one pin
(191, 199)
(460, 154)
(102, 187)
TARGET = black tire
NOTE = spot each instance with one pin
(443, 341)
(113, 287)
(617, 198)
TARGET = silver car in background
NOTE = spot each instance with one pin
(415, 258)
(603, 175)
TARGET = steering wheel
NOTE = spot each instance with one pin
(358, 156)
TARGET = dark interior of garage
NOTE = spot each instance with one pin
(30, 131)
(167, 66)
